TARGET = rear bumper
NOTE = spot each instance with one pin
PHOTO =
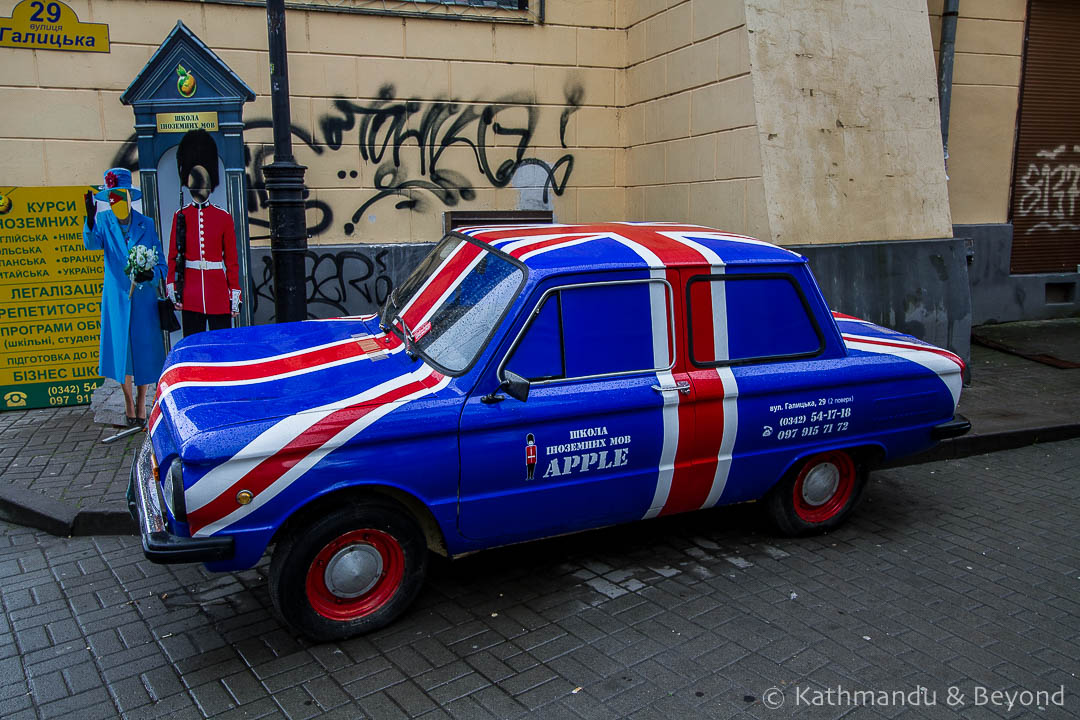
(160, 545)
(956, 427)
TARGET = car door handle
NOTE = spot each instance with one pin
(683, 387)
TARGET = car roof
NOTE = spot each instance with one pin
(618, 245)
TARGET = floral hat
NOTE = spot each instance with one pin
(118, 179)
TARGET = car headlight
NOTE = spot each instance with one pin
(172, 487)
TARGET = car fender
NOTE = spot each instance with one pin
(433, 518)
(867, 453)
(430, 520)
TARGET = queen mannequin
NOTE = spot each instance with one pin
(132, 349)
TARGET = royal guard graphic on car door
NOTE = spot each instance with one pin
(530, 457)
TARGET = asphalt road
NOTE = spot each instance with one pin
(952, 593)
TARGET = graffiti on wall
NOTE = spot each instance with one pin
(387, 128)
(339, 281)
(1051, 190)
(408, 144)
(331, 278)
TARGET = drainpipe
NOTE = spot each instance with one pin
(946, 54)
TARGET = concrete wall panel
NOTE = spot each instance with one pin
(997, 296)
(919, 287)
(839, 90)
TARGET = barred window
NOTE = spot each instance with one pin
(499, 11)
(455, 219)
(507, 4)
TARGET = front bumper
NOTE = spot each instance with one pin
(956, 427)
(160, 545)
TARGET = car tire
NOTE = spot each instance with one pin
(349, 572)
(818, 494)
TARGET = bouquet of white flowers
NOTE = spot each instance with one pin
(140, 259)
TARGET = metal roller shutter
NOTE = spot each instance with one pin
(1046, 178)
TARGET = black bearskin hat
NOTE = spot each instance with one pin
(197, 148)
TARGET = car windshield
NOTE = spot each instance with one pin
(453, 300)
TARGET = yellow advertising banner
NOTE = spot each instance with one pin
(50, 299)
(182, 122)
(51, 25)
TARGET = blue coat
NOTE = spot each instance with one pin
(128, 325)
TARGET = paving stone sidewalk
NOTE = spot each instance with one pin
(960, 574)
(58, 452)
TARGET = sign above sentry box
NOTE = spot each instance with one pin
(182, 122)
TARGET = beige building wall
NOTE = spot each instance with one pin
(848, 120)
(784, 125)
(982, 119)
(456, 104)
(688, 123)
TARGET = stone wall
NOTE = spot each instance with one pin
(689, 123)
(397, 118)
(814, 124)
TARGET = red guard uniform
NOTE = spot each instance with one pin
(530, 461)
(211, 274)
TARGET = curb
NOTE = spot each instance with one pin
(980, 444)
(56, 517)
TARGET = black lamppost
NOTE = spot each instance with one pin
(284, 183)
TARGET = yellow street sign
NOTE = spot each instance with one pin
(50, 299)
(51, 25)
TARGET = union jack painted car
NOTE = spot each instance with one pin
(523, 382)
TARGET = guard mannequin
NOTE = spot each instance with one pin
(203, 272)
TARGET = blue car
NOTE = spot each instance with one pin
(524, 382)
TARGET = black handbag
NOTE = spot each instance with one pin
(167, 315)
(165, 308)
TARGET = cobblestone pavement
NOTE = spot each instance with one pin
(58, 451)
(963, 573)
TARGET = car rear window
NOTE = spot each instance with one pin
(766, 318)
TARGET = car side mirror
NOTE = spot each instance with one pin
(513, 385)
(516, 386)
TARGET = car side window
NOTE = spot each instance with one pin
(607, 329)
(766, 317)
(539, 355)
(597, 329)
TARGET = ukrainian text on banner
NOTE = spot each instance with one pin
(50, 299)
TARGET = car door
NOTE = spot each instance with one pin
(766, 381)
(588, 446)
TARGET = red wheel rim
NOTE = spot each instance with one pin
(369, 546)
(824, 486)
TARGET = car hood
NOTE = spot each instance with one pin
(253, 376)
